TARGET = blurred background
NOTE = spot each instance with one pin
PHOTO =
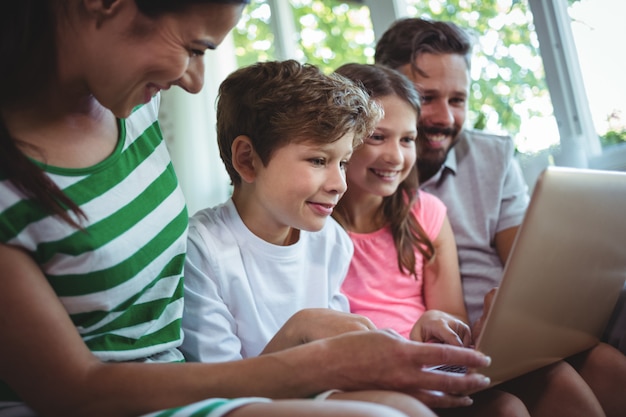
(548, 73)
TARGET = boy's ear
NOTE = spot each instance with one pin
(244, 158)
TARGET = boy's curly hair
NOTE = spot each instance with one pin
(280, 102)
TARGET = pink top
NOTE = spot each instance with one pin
(392, 300)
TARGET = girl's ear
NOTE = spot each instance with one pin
(244, 158)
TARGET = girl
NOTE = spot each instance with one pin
(404, 273)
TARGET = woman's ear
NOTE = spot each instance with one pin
(102, 6)
(244, 158)
(102, 9)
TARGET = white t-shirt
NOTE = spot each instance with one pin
(240, 289)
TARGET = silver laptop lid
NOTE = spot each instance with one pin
(564, 273)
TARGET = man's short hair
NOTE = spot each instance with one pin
(408, 38)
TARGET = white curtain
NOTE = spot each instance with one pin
(188, 123)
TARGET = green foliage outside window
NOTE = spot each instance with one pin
(334, 32)
(508, 76)
(330, 33)
(613, 137)
(253, 35)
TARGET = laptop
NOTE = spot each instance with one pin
(564, 273)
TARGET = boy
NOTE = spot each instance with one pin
(264, 269)
(285, 133)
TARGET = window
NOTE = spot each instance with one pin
(323, 33)
(546, 72)
(509, 92)
(597, 26)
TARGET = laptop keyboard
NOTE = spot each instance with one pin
(457, 369)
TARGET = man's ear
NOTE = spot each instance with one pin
(244, 158)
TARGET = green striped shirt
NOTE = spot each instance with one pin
(120, 279)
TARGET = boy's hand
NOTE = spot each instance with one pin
(440, 327)
(316, 323)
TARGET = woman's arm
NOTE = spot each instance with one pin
(43, 358)
(312, 324)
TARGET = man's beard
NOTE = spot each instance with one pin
(430, 160)
(427, 167)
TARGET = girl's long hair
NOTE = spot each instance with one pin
(408, 234)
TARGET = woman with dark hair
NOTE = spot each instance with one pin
(93, 231)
